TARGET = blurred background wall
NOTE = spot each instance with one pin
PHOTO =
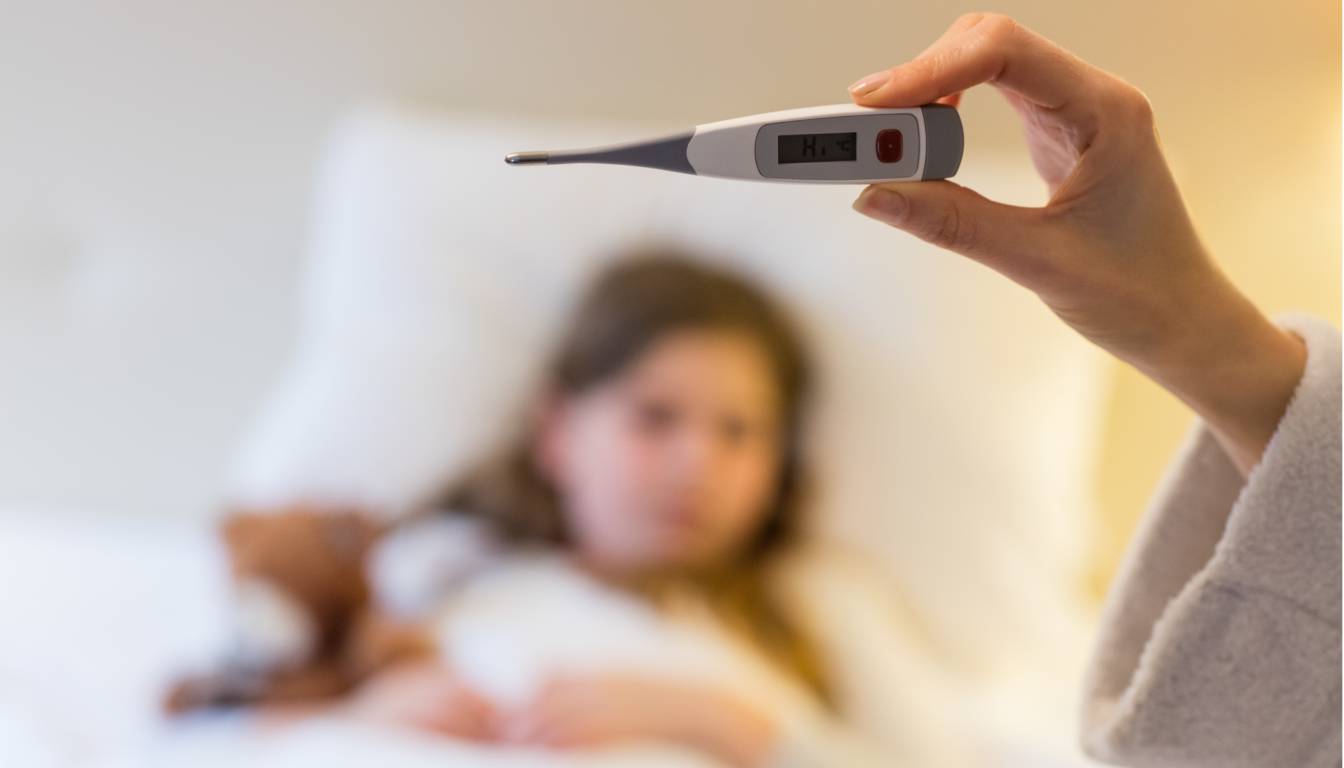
(148, 145)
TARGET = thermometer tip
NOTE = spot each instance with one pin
(526, 158)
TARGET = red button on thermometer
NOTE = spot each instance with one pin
(837, 144)
(889, 145)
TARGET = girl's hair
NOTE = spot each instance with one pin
(647, 294)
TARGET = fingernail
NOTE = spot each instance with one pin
(882, 204)
(866, 85)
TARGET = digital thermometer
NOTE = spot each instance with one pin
(836, 144)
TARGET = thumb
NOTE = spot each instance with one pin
(948, 215)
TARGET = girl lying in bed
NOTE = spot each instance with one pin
(627, 571)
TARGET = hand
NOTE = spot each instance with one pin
(1113, 252)
(426, 695)
(599, 710)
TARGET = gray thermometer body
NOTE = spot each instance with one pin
(836, 144)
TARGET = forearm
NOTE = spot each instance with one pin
(1233, 367)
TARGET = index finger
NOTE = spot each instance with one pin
(985, 48)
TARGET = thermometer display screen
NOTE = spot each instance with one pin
(818, 147)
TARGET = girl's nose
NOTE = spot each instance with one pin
(696, 453)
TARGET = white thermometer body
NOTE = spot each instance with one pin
(836, 144)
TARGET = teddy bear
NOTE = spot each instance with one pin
(304, 626)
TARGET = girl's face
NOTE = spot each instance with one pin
(672, 463)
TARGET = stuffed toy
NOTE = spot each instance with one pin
(304, 625)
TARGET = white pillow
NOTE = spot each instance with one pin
(958, 418)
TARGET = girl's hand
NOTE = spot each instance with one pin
(1113, 252)
(425, 695)
(599, 710)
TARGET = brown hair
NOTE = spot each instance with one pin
(647, 294)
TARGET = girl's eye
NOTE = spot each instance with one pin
(654, 417)
(734, 431)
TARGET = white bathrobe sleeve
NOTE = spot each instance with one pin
(1220, 641)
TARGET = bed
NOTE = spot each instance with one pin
(955, 437)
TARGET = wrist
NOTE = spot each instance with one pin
(1234, 367)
